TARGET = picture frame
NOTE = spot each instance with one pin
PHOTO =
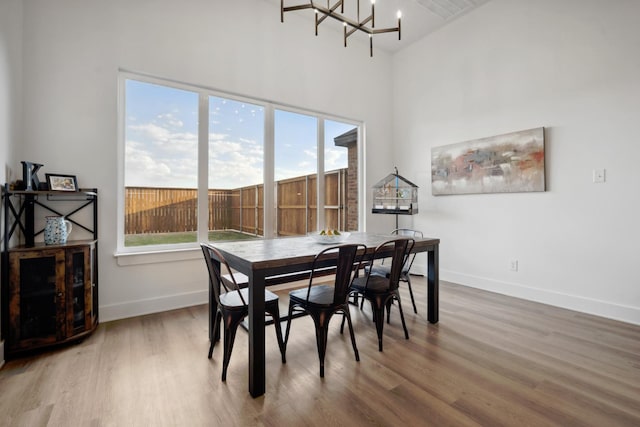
(61, 182)
(508, 163)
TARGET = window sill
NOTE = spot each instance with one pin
(157, 256)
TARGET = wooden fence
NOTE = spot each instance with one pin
(167, 210)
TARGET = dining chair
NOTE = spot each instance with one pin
(381, 291)
(384, 268)
(322, 301)
(232, 305)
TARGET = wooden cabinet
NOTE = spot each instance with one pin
(52, 295)
(49, 292)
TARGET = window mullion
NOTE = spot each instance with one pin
(269, 195)
(320, 214)
(203, 167)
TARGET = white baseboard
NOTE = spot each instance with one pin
(572, 302)
(171, 302)
(152, 305)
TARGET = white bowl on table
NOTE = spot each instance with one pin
(330, 239)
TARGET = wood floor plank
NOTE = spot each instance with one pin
(492, 360)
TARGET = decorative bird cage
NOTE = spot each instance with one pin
(395, 195)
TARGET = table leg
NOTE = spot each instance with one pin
(433, 285)
(257, 375)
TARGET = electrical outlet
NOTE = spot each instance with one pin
(599, 176)
(514, 265)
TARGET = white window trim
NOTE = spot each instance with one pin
(187, 251)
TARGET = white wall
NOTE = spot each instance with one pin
(10, 81)
(568, 65)
(10, 94)
(72, 53)
(10, 87)
(572, 66)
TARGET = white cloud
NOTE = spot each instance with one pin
(311, 153)
(152, 131)
(235, 164)
(217, 136)
(141, 168)
(169, 119)
(335, 159)
(222, 146)
(156, 156)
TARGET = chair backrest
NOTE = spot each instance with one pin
(216, 274)
(410, 256)
(348, 261)
(400, 247)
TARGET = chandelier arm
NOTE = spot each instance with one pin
(335, 6)
(370, 45)
(346, 35)
(371, 31)
(367, 20)
(330, 11)
(292, 8)
(351, 31)
(385, 30)
(354, 24)
(373, 16)
(346, 20)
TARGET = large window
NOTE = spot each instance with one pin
(201, 165)
(236, 169)
(160, 164)
(341, 196)
(296, 166)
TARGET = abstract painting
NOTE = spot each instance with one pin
(509, 163)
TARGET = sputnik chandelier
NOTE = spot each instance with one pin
(350, 26)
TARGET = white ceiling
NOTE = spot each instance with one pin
(419, 17)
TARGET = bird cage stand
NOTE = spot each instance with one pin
(395, 195)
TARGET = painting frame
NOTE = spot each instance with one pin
(508, 163)
(62, 182)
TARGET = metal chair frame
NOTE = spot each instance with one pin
(232, 305)
(322, 301)
(405, 275)
(382, 291)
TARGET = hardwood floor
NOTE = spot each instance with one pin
(492, 360)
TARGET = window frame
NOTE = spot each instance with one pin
(182, 251)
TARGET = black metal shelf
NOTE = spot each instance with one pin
(19, 209)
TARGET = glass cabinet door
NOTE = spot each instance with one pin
(37, 297)
(93, 292)
(78, 274)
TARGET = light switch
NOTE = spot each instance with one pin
(599, 176)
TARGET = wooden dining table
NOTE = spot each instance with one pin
(263, 259)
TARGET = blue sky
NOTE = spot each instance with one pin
(162, 136)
